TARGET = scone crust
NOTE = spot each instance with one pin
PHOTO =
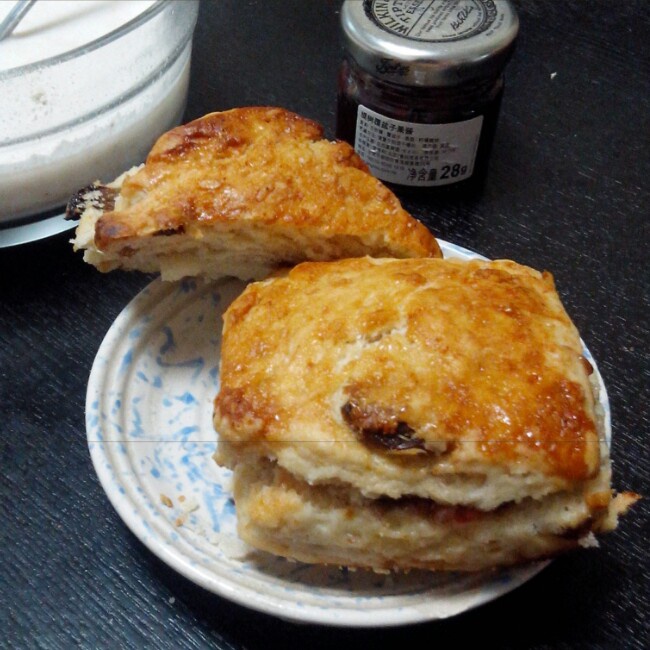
(261, 172)
(446, 379)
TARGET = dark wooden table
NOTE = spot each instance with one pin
(567, 191)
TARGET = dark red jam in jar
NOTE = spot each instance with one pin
(421, 85)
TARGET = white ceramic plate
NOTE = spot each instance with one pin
(149, 425)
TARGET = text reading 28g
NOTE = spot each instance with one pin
(452, 171)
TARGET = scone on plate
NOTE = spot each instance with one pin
(241, 193)
(417, 413)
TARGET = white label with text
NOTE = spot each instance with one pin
(411, 153)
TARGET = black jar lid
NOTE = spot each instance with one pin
(430, 43)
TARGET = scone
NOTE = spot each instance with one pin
(417, 413)
(242, 193)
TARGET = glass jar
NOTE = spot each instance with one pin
(421, 85)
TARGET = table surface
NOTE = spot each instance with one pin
(567, 191)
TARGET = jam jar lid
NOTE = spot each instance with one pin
(430, 42)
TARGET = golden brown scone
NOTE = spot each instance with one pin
(242, 193)
(411, 413)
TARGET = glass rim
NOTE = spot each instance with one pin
(74, 53)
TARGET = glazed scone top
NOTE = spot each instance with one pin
(392, 375)
(264, 165)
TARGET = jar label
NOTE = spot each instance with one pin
(411, 153)
(433, 21)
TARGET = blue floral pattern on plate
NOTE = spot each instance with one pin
(151, 439)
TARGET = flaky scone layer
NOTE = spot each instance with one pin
(241, 193)
(323, 524)
(457, 381)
